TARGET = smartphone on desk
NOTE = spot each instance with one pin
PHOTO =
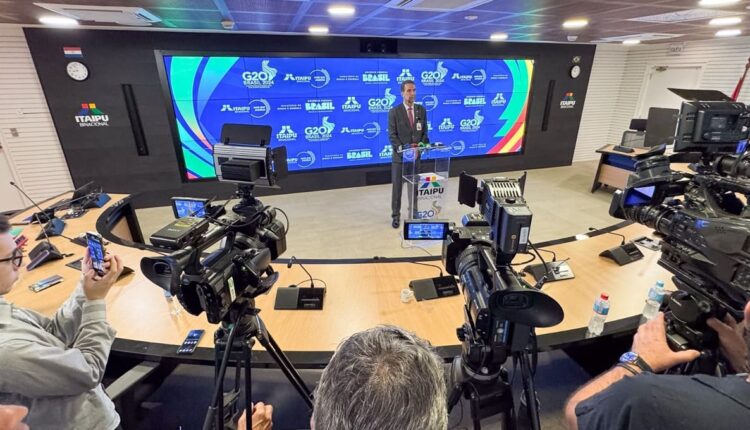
(95, 244)
(191, 342)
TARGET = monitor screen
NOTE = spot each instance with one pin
(426, 230)
(183, 207)
(333, 112)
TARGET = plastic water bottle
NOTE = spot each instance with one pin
(601, 309)
(174, 308)
(653, 301)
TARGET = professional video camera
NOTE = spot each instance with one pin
(224, 283)
(501, 309)
(706, 243)
(250, 239)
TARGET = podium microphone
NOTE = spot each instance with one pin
(609, 232)
(294, 260)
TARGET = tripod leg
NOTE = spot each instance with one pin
(474, 402)
(530, 391)
(288, 364)
(246, 351)
(291, 374)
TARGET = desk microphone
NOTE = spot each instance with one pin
(609, 232)
(54, 226)
(622, 254)
(41, 216)
(293, 298)
(294, 260)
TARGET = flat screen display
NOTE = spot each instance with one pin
(333, 112)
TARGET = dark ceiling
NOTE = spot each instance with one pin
(522, 20)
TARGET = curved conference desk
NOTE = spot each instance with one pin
(360, 295)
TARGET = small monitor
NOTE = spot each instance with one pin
(189, 206)
(426, 230)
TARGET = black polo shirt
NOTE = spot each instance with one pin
(649, 401)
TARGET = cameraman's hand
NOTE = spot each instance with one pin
(261, 418)
(731, 342)
(96, 287)
(650, 343)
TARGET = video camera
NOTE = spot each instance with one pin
(500, 308)
(249, 238)
(706, 232)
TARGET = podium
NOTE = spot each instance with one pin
(425, 171)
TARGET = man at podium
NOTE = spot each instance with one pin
(407, 126)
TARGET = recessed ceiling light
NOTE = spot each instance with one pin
(631, 42)
(341, 10)
(318, 29)
(717, 3)
(499, 36)
(61, 21)
(416, 33)
(731, 20)
(576, 23)
(471, 17)
(729, 32)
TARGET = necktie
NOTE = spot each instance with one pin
(411, 117)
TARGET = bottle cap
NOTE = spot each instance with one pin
(660, 284)
(605, 296)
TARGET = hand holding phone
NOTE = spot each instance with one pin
(95, 245)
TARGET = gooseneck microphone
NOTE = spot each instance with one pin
(609, 232)
(42, 216)
(294, 260)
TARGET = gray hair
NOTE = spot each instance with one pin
(382, 378)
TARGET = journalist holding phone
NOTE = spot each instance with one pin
(54, 366)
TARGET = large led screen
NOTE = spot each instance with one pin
(333, 112)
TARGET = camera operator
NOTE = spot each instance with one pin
(382, 378)
(54, 366)
(632, 396)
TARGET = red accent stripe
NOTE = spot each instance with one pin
(511, 133)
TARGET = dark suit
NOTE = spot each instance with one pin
(400, 132)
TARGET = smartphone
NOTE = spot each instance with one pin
(191, 342)
(45, 283)
(95, 244)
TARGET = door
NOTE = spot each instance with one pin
(10, 198)
(659, 78)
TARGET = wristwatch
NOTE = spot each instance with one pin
(634, 359)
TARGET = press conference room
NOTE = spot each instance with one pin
(397, 214)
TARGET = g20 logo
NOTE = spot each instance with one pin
(260, 79)
(380, 105)
(472, 124)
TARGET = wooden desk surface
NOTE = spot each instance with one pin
(609, 149)
(359, 296)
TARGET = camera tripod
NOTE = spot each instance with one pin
(491, 394)
(235, 341)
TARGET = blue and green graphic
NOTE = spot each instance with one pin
(333, 112)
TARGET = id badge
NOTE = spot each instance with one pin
(419, 126)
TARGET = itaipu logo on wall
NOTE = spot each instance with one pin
(91, 116)
(499, 100)
(286, 134)
(569, 101)
(476, 77)
(351, 104)
(318, 78)
(260, 78)
(386, 152)
(404, 76)
(369, 130)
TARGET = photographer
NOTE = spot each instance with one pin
(54, 366)
(631, 396)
